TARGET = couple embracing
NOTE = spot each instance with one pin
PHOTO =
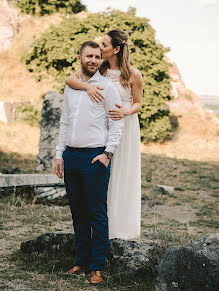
(99, 149)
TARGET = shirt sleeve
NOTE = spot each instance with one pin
(112, 97)
(63, 128)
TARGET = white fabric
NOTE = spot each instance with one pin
(124, 192)
(87, 124)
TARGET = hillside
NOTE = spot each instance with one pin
(17, 84)
(210, 102)
(197, 136)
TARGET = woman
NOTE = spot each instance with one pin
(124, 192)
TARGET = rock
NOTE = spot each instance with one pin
(165, 189)
(135, 256)
(50, 244)
(179, 188)
(191, 267)
(204, 196)
(50, 193)
(42, 186)
(9, 25)
(49, 128)
(14, 180)
(8, 110)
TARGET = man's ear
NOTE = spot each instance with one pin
(79, 58)
(116, 50)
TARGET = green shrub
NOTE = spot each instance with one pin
(55, 53)
(42, 7)
(29, 114)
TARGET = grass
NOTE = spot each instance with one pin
(163, 220)
(26, 163)
(24, 221)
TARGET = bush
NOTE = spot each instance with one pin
(55, 53)
(29, 114)
(42, 7)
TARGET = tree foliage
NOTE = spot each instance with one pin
(55, 53)
(42, 7)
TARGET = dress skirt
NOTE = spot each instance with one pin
(124, 191)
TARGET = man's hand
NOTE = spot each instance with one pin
(103, 159)
(59, 168)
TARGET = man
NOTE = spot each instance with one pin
(87, 140)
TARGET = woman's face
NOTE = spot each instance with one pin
(107, 48)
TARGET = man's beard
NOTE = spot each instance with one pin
(86, 70)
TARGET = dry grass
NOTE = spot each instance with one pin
(192, 208)
(26, 221)
(19, 138)
(163, 218)
(17, 84)
(196, 139)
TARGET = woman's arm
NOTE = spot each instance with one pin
(136, 82)
(93, 91)
(74, 82)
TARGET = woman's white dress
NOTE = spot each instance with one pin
(124, 192)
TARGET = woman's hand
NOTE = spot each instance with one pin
(119, 113)
(94, 93)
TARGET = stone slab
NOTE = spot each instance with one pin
(14, 180)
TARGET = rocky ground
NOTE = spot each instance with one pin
(189, 212)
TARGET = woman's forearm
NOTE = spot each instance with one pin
(76, 83)
(134, 108)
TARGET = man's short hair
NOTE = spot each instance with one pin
(90, 43)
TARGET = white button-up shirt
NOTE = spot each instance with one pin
(85, 123)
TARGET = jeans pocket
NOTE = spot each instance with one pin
(100, 164)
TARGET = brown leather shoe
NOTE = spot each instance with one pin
(96, 277)
(76, 270)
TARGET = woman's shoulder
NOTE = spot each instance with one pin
(135, 77)
(135, 72)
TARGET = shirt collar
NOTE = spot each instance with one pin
(95, 77)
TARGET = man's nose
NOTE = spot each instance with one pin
(93, 60)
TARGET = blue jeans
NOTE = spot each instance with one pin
(86, 186)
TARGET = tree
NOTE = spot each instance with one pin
(55, 53)
(42, 7)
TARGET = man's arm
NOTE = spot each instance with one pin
(115, 126)
(62, 137)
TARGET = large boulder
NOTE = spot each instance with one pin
(50, 244)
(191, 267)
(49, 128)
(134, 256)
